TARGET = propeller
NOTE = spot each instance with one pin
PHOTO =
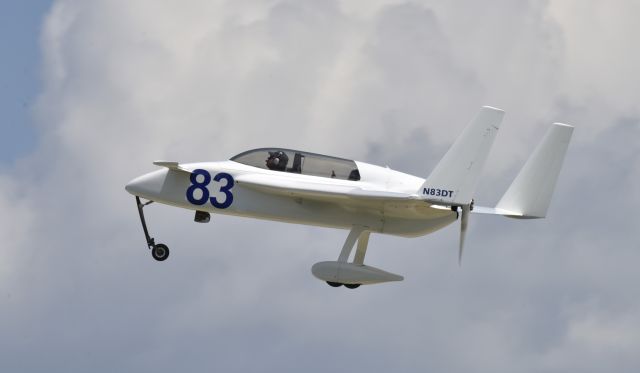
(464, 223)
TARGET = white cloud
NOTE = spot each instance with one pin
(599, 51)
(391, 82)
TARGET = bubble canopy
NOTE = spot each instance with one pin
(299, 162)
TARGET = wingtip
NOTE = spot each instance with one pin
(563, 125)
(492, 108)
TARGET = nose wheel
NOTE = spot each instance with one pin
(160, 251)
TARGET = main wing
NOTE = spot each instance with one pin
(319, 190)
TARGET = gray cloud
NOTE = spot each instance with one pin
(391, 83)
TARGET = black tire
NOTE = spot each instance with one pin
(160, 252)
(352, 286)
(334, 284)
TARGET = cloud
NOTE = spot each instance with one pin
(387, 82)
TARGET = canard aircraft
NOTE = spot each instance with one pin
(306, 188)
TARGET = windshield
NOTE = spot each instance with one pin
(295, 161)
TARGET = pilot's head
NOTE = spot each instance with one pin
(277, 161)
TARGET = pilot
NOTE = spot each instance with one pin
(277, 161)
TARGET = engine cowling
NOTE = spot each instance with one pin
(350, 273)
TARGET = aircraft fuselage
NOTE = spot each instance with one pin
(214, 187)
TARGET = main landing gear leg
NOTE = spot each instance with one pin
(361, 236)
(159, 251)
(363, 242)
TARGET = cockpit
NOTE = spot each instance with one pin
(294, 161)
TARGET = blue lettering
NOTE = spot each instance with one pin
(228, 196)
(437, 192)
(202, 187)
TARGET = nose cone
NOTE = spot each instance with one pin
(147, 185)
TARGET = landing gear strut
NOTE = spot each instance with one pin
(361, 236)
(352, 274)
(159, 251)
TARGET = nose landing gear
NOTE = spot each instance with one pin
(159, 252)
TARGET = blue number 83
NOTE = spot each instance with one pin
(202, 187)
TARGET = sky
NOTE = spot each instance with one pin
(20, 26)
(93, 92)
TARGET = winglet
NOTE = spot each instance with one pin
(454, 179)
(531, 191)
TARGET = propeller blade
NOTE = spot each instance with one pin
(464, 223)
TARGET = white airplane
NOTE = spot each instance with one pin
(313, 189)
